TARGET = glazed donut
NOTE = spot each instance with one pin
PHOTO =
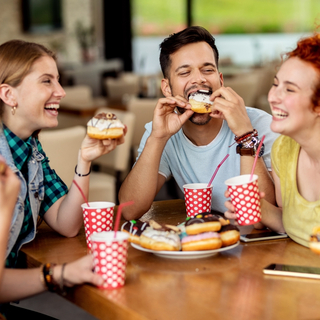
(134, 228)
(105, 126)
(314, 243)
(202, 222)
(159, 239)
(200, 101)
(202, 241)
(229, 235)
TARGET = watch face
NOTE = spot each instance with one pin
(261, 151)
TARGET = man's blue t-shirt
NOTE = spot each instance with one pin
(188, 163)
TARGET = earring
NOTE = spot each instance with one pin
(13, 110)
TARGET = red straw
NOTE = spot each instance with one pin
(256, 157)
(219, 165)
(83, 196)
(118, 217)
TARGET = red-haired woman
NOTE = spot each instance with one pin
(295, 104)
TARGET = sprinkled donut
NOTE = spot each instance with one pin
(134, 228)
(202, 222)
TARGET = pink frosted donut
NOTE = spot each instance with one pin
(201, 241)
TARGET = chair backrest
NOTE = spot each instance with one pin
(77, 94)
(119, 159)
(143, 110)
(62, 148)
(246, 86)
(125, 84)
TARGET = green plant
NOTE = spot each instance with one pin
(85, 35)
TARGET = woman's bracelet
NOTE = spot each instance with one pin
(47, 272)
(79, 174)
(46, 278)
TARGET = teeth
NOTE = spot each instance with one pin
(52, 106)
(279, 114)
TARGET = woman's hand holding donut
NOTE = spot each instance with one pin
(92, 149)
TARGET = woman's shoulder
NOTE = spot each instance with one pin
(283, 144)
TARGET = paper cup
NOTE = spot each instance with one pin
(197, 198)
(97, 217)
(110, 257)
(245, 197)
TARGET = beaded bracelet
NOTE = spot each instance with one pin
(246, 137)
(79, 174)
(47, 272)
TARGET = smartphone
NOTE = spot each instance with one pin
(292, 271)
(268, 235)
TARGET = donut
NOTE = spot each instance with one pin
(229, 235)
(314, 243)
(160, 239)
(223, 221)
(202, 222)
(134, 228)
(202, 241)
(105, 126)
(200, 101)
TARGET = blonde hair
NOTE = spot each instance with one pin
(16, 60)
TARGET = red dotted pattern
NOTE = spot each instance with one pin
(110, 261)
(246, 200)
(197, 201)
(97, 220)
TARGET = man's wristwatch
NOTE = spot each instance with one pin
(249, 148)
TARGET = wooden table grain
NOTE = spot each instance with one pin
(228, 285)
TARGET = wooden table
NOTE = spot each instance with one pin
(229, 285)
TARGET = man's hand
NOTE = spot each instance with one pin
(228, 105)
(166, 122)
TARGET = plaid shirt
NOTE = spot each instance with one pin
(55, 188)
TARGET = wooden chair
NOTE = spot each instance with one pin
(143, 110)
(121, 88)
(79, 101)
(62, 147)
(245, 85)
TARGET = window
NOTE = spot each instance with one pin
(226, 16)
(150, 18)
(41, 16)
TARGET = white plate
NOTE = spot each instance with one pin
(185, 254)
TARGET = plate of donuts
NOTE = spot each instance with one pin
(202, 236)
(185, 254)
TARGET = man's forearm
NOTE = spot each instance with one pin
(141, 184)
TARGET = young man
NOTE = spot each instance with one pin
(189, 145)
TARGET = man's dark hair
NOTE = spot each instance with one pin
(176, 41)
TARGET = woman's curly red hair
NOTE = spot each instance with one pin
(308, 50)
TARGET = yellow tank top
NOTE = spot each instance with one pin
(299, 215)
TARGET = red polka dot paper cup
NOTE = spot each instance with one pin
(97, 217)
(197, 198)
(110, 257)
(245, 197)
